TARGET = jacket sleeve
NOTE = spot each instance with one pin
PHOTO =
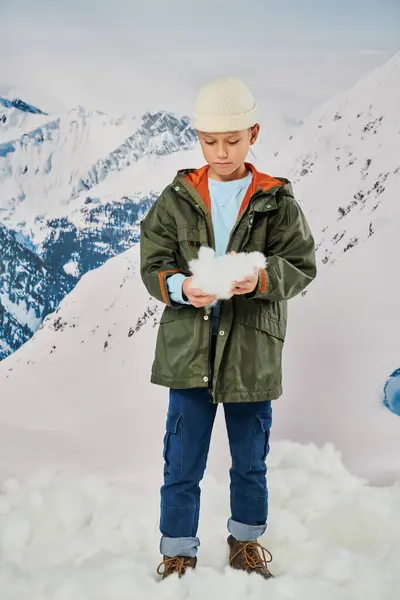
(290, 253)
(158, 251)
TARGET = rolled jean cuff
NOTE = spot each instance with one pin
(183, 546)
(245, 533)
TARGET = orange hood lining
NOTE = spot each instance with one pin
(199, 180)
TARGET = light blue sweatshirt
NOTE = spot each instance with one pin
(226, 198)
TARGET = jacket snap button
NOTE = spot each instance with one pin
(222, 332)
(205, 317)
(268, 206)
(205, 378)
(177, 188)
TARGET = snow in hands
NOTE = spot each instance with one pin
(214, 275)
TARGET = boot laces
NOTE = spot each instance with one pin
(177, 563)
(252, 557)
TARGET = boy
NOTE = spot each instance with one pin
(234, 357)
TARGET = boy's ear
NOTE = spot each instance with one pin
(254, 131)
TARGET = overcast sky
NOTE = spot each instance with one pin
(130, 55)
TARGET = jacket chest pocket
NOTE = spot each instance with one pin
(190, 240)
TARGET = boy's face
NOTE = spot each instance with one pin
(227, 152)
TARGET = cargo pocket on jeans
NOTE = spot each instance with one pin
(173, 451)
(261, 436)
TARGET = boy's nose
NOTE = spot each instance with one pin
(222, 152)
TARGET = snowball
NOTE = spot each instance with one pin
(215, 275)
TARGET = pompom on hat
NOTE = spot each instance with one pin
(224, 105)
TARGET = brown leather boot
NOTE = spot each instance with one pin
(176, 564)
(246, 556)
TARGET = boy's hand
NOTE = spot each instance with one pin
(195, 296)
(247, 285)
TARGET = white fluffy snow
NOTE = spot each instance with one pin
(86, 538)
(215, 275)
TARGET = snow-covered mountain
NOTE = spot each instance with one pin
(20, 270)
(64, 200)
(17, 117)
(345, 163)
(49, 171)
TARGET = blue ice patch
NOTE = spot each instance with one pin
(392, 393)
(6, 148)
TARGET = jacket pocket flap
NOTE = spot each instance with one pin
(173, 421)
(263, 323)
(272, 327)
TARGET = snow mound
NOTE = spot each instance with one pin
(88, 538)
(215, 275)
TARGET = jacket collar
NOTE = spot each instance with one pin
(197, 180)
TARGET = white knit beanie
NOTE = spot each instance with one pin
(224, 105)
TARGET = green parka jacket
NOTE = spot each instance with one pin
(248, 354)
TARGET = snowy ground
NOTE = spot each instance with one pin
(72, 538)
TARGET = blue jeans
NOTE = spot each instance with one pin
(189, 425)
